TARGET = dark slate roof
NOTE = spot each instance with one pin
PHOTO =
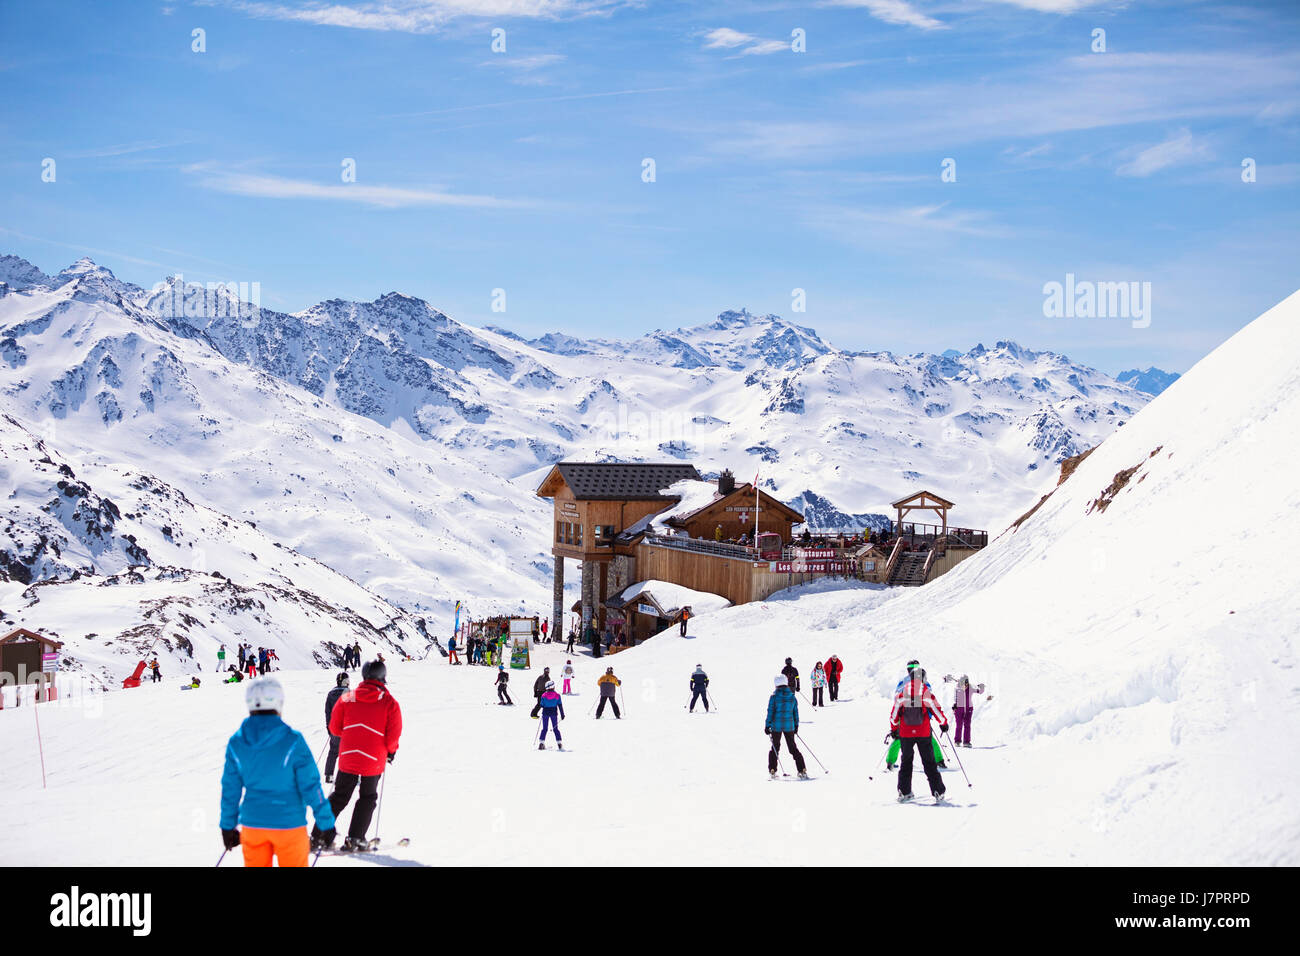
(616, 481)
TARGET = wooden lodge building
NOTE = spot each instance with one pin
(628, 523)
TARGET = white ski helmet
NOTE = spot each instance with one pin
(779, 680)
(265, 693)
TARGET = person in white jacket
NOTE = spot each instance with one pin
(963, 706)
(568, 675)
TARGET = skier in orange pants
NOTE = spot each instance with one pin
(269, 780)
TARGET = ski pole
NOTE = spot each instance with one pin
(621, 699)
(379, 810)
(888, 743)
(963, 769)
(779, 762)
(322, 751)
(537, 732)
(814, 756)
(222, 857)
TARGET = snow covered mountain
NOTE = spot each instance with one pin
(1151, 380)
(402, 447)
(118, 564)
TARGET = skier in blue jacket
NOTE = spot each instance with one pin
(783, 720)
(269, 780)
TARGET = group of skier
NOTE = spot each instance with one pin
(270, 777)
(479, 650)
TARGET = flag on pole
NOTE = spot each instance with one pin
(456, 628)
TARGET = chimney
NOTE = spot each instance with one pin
(726, 482)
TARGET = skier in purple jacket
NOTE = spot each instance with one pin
(551, 704)
(963, 705)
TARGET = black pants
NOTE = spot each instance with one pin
(683, 628)
(536, 707)
(819, 697)
(698, 695)
(834, 686)
(157, 676)
(600, 709)
(503, 695)
(333, 757)
(776, 747)
(365, 808)
(570, 649)
(926, 748)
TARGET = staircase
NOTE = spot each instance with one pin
(909, 571)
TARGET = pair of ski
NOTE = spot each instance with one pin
(939, 801)
(774, 777)
(370, 846)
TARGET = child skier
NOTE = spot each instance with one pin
(551, 704)
(608, 685)
(783, 720)
(503, 678)
(699, 688)
(818, 685)
(270, 778)
(963, 706)
(909, 722)
(568, 675)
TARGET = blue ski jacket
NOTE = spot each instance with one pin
(782, 712)
(270, 778)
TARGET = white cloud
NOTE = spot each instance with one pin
(411, 16)
(895, 11)
(1052, 6)
(1175, 151)
(263, 186)
(725, 38)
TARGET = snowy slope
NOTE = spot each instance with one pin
(1140, 657)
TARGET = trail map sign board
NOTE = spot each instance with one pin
(521, 642)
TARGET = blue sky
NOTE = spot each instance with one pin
(774, 169)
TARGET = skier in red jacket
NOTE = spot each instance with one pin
(833, 669)
(909, 721)
(369, 723)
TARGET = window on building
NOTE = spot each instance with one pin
(577, 537)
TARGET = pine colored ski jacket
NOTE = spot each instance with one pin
(782, 712)
(270, 778)
(914, 705)
(370, 724)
